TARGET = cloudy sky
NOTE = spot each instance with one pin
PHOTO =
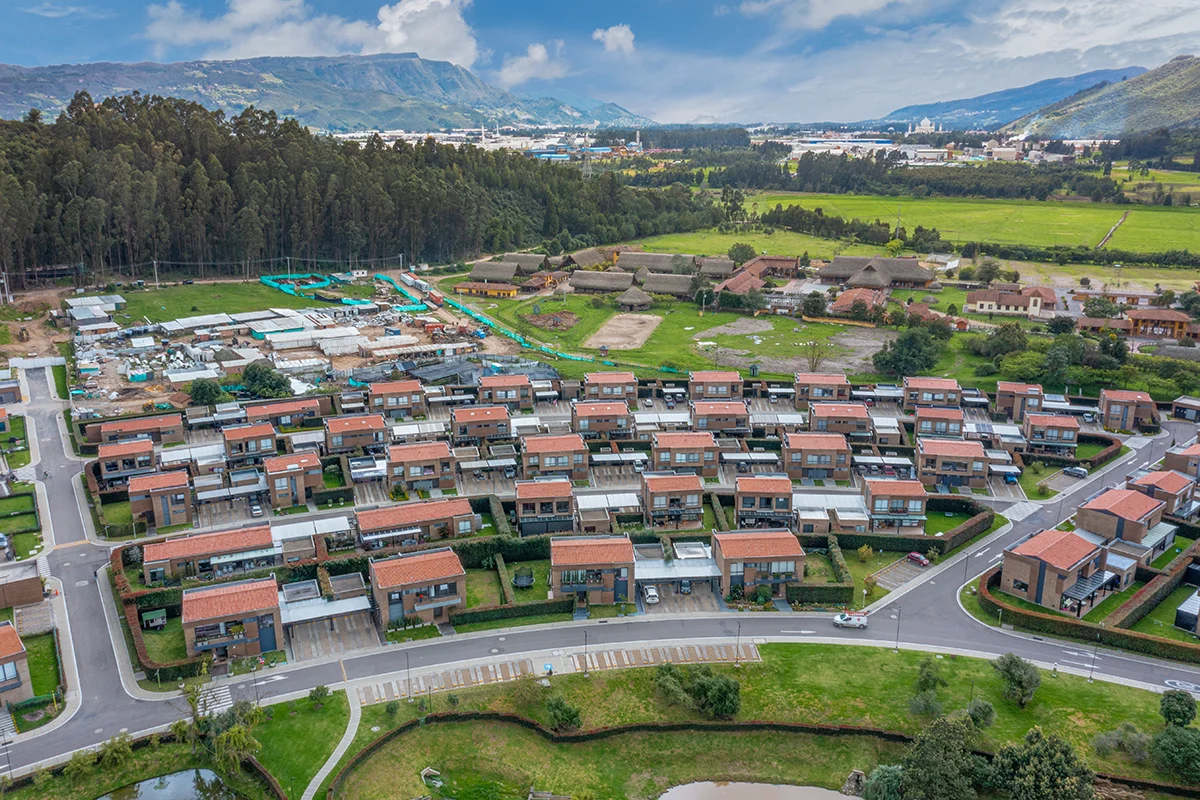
(672, 60)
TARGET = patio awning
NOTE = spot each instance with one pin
(1084, 588)
(226, 558)
(374, 537)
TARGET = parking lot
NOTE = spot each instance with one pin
(492, 482)
(227, 514)
(671, 601)
(328, 637)
(372, 493)
(614, 477)
(898, 573)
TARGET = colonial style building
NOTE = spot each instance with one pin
(162, 499)
(951, 463)
(421, 466)
(1014, 400)
(347, 434)
(232, 620)
(812, 387)
(671, 500)
(473, 424)
(398, 399)
(946, 423)
(546, 505)
(565, 455)
(893, 505)
(410, 524)
(685, 452)
(602, 420)
(610, 386)
(1122, 410)
(715, 385)
(1051, 433)
(939, 392)
(513, 391)
(292, 479)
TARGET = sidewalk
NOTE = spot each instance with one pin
(73, 697)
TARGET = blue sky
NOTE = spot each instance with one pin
(673, 60)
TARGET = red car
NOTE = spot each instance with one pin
(918, 559)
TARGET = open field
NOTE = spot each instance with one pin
(295, 746)
(204, 298)
(624, 332)
(781, 243)
(1148, 228)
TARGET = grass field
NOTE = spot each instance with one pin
(1181, 543)
(184, 301)
(61, 384)
(1111, 603)
(483, 588)
(166, 645)
(43, 662)
(939, 522)
(781, 243)
(541, 581)
(1161, 621)
(295, 747)
(16, 429)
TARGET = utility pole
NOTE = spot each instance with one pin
(156, 286)
(898, 612)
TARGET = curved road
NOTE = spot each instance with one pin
(925, 616)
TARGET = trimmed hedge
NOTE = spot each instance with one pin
(718, 512)
(506, 588)
(816, 594)
(841, 571)
(513, 612)
(323, 496)
(1111, 451)
(1155, 591)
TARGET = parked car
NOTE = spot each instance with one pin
(648, 402)
(650, 595)
(889, 470)
(1089, 416)
(850, 621)
(639, 466)
(1076, 472)
(685, 587)
(1009, 478)
(774, 399)
(256, 510)
(918, 559)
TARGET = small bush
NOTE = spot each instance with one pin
(925, 704)
(563, 716)
(392, 708)
(318, 695)
(981, 712)
(1126, 739)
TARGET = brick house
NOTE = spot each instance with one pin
(429, 585)
(121, 461)
(232, 620)
(1173, 488)
(164, 429)
(672, 500)
(162, 499)
(600, 420)
(895, 505)
(291, 479)
(731, 418)
(951, 463)
(851, 420)
(346, 434)
(714, 385)
(1051, 433)
(813, 387)
(685, 452)
(421, 466)
(598, 570)
(1014, 400)
(288, 413)
(473, 424)
(610, 386)
(940, 392)
(15, 683)
(816, 456)
(1130, 521)
(763, 501)
(546, 505)
(409, 524)
(946, 423)
(206, 554)
(1122, 410)
(753, 558)
(513, 391)
(1059, 570)
(565, 455)
(1184, 459)
(397, 399)
(249, 444)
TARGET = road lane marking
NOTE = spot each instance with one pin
(981, 552)
(797, 631)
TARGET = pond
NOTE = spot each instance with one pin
(195, 784)
(759, 791)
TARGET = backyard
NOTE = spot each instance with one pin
(541, 581)
(483, 588)
(1181, 543)
(1112, 603)
(1161, 620)
(43, 662)
(166, 645)
(17, 441)
(937, 523)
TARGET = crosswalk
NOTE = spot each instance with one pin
(43, 567)
(1020, 511)
(217, 699)
(423, 683)
(665, 654)
(1138, 442)
(8, 728)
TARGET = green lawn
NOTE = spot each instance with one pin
(295, 747)
(331, 477)
(414, 634)
(1111, 603)
(483, 588)
(43, 662)
(60, 382)
(1013, 600)
(242, 666)
(781, 243)
(818, 569)
(1181, 543)
(515, 622)
(541, 581)
(940, 521)
(1029, 482)
(24, 543)
(173, 302)
(17, 503)
(285, 512)
(16, 429)
(1087, 450)
(117, 513)
(859, 570)
(166, 645)
(1161, 621)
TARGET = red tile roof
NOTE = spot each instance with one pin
(1019, 388)
(854, 410)
(715, 376)
(528, 490)
(703, 407)
(609, 377)
(136, 447)
(1053, 420)
(1167, 480)
(418, 568)
(279, 409)
(503, 381)
(759, 544)
(408, 514)
(370, 422)
(816, 441)
(395, 387)
(1124, 396)
(821, 378)
(423, 451)
(945, 384)
(1059, 549)
(1194, 450)
(871, 297)
(601, 409)
(582, 551)
(1045, 292)
(741, 283)
(896, 488)
(684, 439)
(259, 430)
(176, 479)
(776, 484)
(229, 600)
(234, 541)
(949, 447)
(674, 483)
(1157, 315)
(10, 642)
(288, 463)
(479, 413)
(1125, 503)
(142, 424)
(568, 442)
(924, 412)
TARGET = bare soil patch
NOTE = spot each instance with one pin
(558, 321)
(739, 327)
(853, 349)
(624, 332)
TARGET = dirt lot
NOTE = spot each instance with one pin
(739, 327)
(624, 332)
(851, 354)
(558, 321)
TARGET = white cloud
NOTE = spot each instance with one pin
(536, 63)
(617, 39)
(815, 14)
(54, 11)
(435, 29)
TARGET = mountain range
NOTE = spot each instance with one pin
(343, 93)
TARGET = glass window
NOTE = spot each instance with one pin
(915, 506)
(693, 499)
(464, 526)
(735, 568)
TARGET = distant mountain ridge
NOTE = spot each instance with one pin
(338, 93)
(1164, 97)
(996, 109)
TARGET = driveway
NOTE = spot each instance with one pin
(490, 483)
(1005, 491)
(672, 602)
(615, 477)
(330, 637)
(372, 493)
(226, 514)
(898, 573)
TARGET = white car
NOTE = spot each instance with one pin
(648, 403)
(256, 510)
(650, 595)
(850, 621)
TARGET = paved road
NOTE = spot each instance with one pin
(926, 616)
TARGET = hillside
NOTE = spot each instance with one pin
(990, 111)
(1165, 97)
(342, 93)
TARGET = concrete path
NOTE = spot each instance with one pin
(340, 750)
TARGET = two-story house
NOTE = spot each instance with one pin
(749, 559)
(610, 387)
(474, 424)
(946, 423)
(565, 455)
(347, 434)
(511, 391)
(940, 392)
(291, 479)
(816, 456)
(121, 461)
(284, 413)
(1185, 460)
(164, 429)
(421, 466)
(249, 444)
(546, 505)
(410, 524)
(717, 385)
(951, 463)
(1015, 400)
(851, 420)
(1173, 488)
(1130, 521)
(685, 452)
(763, 501)
(893, 505)
(729, 418)
(203, 555)
(1060, 570)
(1051, 433)
(601, 420)
(232, 620)
(1122, 410)
(395, 399)
(672, 500)
(814, 387)
(597, 570)
(161, 499)
(429, 585)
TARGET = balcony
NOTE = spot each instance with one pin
(425, 603)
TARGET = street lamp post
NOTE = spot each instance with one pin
(1095, 648)
(585, 656)
(254, 680)
(899, 610)
(737, 650)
